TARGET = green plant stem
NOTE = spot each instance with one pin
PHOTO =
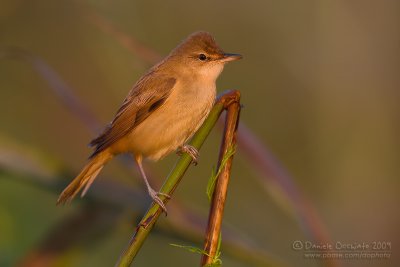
(173, 179)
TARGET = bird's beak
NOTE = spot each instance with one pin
(230, 57)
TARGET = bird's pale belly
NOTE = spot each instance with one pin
(170, 126)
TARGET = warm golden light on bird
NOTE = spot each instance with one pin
(161, 112)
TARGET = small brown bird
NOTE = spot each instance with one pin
(161, 112)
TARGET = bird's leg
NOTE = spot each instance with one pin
(192, 151)
(153, 194)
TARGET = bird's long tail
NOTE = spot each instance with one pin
(85, 178)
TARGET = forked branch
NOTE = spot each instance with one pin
(173, 179)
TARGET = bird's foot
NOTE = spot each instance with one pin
(155, 196)
(192, 151)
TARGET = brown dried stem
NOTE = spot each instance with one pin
(221, 187)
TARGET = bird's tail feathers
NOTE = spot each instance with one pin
(85, 178)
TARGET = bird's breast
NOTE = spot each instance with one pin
(175, 121)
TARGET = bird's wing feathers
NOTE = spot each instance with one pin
(148, 94)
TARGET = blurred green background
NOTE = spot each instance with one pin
(320, 88)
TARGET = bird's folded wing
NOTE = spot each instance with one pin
(147, 95)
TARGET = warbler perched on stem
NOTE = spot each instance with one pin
(161, 112)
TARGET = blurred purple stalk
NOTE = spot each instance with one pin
(62, 90)
(272, 172)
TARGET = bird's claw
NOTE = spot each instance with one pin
(155, 196)
(192, 151)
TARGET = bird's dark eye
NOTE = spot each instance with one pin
(202, 57)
